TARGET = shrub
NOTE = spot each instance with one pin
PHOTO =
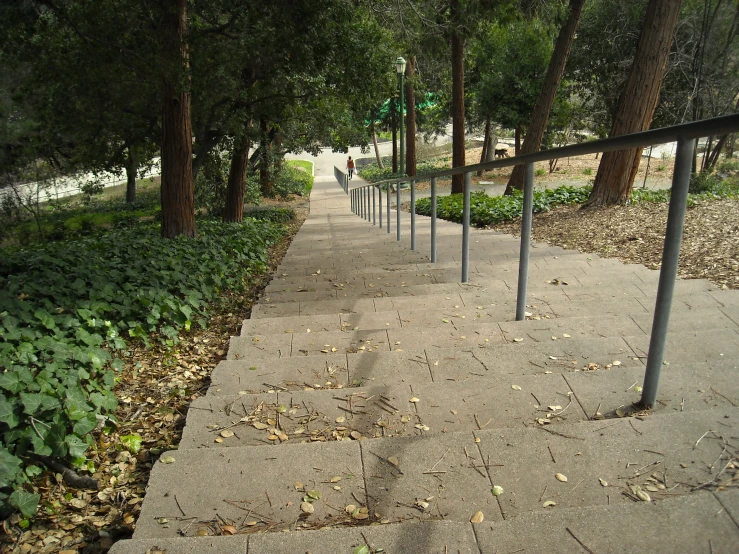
(539, 172)
(66, 311)
(587, 171)
(293, 181)
(703, 182)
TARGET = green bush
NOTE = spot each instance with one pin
(293, 181)
(66, 311)
(273, 215)
(703, 182)
(487, 210)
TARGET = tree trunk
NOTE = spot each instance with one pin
(517, 141)
(485, 145)
(234, 208)
(636, 105)
(394, 123)
(377, 148)
(713, 158)
(555, 70)
(458, 153)
(277, 152)
(265, 178)
(131, 168)
(177, 194)
(410, 119)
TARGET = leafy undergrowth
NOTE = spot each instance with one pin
(74, 314)
(489, 210)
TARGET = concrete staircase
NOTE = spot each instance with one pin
(373, 400)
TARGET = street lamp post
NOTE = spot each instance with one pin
(400, 69)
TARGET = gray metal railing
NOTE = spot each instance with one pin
(684, 134)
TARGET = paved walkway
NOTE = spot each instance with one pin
(371, 397)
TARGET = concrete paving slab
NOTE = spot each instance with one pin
(544, 329)
(525, 358)
(682, 387)
(693, 347)
(372, 320)
(687, 524)
(603, 306)
(341, 342)
(698, 320)
(452, 407)
(446, 472)
(302, 296)
(259, 347)
(279, 286)
(232, 377)
(427, 537)
(239, 484)
(729, 499)
(261, 311)
(476, 335)
(208, 545)
(655, 448)
(390, 368)
(435, 301)
(287, 325)
(404, 290)
(351, 305)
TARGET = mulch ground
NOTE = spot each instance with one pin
(636, 233)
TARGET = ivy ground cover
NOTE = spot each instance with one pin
(68, 310)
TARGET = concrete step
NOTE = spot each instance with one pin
(659, 527)
(452, 472)
(375, 411)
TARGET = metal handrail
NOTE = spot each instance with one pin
(685, 135)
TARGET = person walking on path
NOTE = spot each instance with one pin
(350, 166)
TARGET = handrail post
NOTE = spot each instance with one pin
(523, 263)
(668, 270)
(466, 229)
(413, 215)
(388, 206)
(367, 211)
(397, 210)
(379, 203)
(362, 209)
(433, 220)
(374, 207)
(351, 199)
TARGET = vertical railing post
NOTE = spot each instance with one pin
(523, 262)
(363, 209)
(351, 198)
(346, 184)
(466, 229)
(379, 204)
(388, 207)
(369, 203)
(413, 215)
(374, 208)
(668, 270)
(397, 210)
(433, 220)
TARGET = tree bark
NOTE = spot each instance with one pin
(458, 153)
(234, 209)
(485, 145)
(517, 141)
(616, 171)
(177, 194)
(410, 119)
(394, 123)
(131, 168)
(377, 148)
(555, 70)
(265, 178)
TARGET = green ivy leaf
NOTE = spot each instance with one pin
(25, 502)
(132, 442)
(10, 467)
(76, 446)
(7, 413)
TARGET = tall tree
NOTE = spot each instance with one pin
(177, 193)
(410, 118)
(538, 122)
(636, 106)
(457, 44)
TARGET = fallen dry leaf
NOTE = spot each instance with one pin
(478, 517)
(560, 477)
